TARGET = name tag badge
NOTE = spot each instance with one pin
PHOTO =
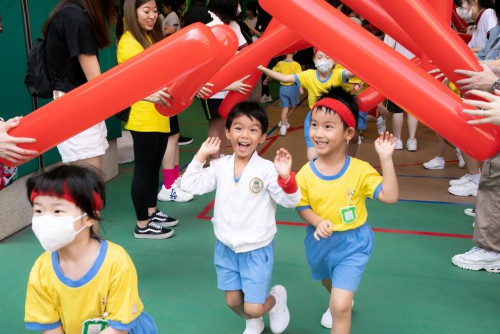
(348, 214)
(94, 326)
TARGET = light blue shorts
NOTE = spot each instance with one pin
(249, 272)
(289, 96)
(361, 123)
(342, 256)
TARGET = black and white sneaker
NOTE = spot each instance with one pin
(185, 140)
(152, 231)
(162, 219)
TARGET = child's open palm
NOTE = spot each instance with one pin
(209, 147)
(384, 145)
(283, 163)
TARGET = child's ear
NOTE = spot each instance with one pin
(227, 134)
(349, 133)
(263, 138)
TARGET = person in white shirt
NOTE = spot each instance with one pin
(248, 188)
(485, 19)
(170, 23)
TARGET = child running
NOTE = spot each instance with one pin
(289, 93)
(334, 187)
(315, 82)
(81, 284)
(248, 188)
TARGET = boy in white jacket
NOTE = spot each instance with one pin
(248, 188)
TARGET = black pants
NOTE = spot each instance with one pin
(149, 148)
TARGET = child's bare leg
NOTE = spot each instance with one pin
(327, 283)
(234, 299)
(341, 308)
(352, 148)
(441, 145)
(216, 128)
(284, 115)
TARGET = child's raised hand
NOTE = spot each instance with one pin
(384, 145)
(209, 147)
(205, 91)
(283, 163)
(323, 230)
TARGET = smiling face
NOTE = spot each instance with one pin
(147, 14)
(245, 134)
(327, 132)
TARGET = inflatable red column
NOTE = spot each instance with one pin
(187, 51)
(387, 71)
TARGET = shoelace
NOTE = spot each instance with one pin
(475, 249)
(161, 214)
(156, 226)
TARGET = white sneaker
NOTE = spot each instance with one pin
(266, 99)
(399, 144)
(283, 130)
(279, 316)
(381, 127)
(287, 125)
(411, 145)
(327, 320)
(254, 326)
(467, 189)
(463, 180)
(360, 139)
(436, 163)
(471, 212)
(461, 161)
(175, 193)
(477, 259)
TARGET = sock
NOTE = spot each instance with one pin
(168, 177)
(475, 178)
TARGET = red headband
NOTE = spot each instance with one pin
(315, 50)
(340, 108)
(97, 203)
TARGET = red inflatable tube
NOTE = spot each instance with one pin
(443, 9)
(275, 39)
(184, 89)
(234, 97)
(376, 15)
(387, 71)
(299, 45)
(435, 37)
(187, 51)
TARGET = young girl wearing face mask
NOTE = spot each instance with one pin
(82, 283)
(315, 82)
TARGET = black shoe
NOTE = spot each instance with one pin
(185, 140)
(162, 219)
(152, 231)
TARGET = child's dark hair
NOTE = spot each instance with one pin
(226, 10)
(80, 182)
(250, 109)
(340, 94)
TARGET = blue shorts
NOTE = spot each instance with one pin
(342, 256)
(361, 123)
(249, 272)
(289, 96)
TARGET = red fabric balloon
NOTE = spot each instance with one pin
(389, 72)
(184, 89)
(187, 51)
(275, 39)
(435, 37)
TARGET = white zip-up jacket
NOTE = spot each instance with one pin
(244, 212)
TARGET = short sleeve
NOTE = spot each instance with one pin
(40, 311)
(277, 68)
(304, 199)
(79, 33)
(372, 182)
(123, 303)
(127, 48)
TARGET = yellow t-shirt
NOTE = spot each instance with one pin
(287, 67)
(109, 287)
(355, 85)
(143, 115)
(339, 198)
(315, 86)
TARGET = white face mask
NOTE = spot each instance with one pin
(238, 11)
(324, 65)
(465, 14)
(55, 232)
